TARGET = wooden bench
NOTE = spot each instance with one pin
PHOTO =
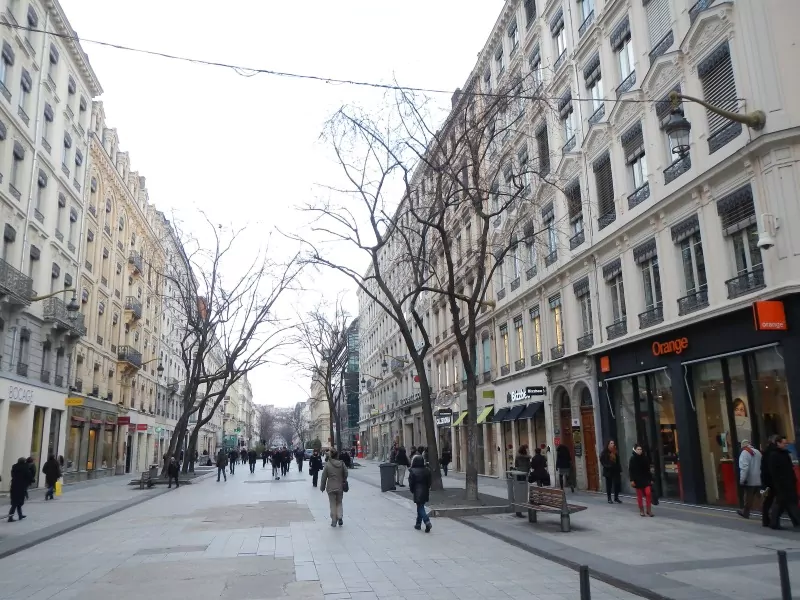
(145, 480)
(549, 500)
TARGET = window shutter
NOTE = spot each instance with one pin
(633, 144)
(612, 269)
(547, 213)
(3, 131)
(719, 87)
(591, 71)
(605, 184)
(53, 54)
(621, 34)
(62, 199)
(581, 288)
(565, 104)
(534, 312)
(737, 210)
(536, 57)
(685, 229)
(543, 147)
(645, 252)
(658, 20)
(573, 193)
(555, 301)
(557, 22)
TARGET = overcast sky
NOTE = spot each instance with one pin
(247, 150)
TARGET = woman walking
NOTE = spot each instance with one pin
(539, 474)
(447, 458)
(402, 462)
(52, 473)
(315, 466)
(419, 483)
(641, 479)
(564, 467)
(522, 462)
(612, 471)
(334, 480)
(20, 480)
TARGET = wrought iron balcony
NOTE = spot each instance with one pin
(130, 355)
(65, 169)
(55, 311)
(71, 246)
(107, 229)
(14, 191)
(46, 146)
(59, 236)
(662, 46)
(501, 293)
(59, 380)
(577, 239)
(505, 370)
(104, 280)
(698, 7)
(560, 61)
(606, 219)
(120, 247)
(692, 302)
(587, 22)
(551, 258)
(639, 195)
(677, 168)
(22, 369)
(15, 285)
(745, 283)
(651, 317)
(135, 259)
(515, 284)
(133, 305)
(627, 84)
(536, 359)
(557, 352)
(519, 364)
(727, 134)
(585, 342)
(617, 329)
(23, 115)
(570, 145)
(38, 215)
(530, 273)
(598, 114)
(487, 376)
(4, 90)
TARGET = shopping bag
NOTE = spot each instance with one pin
(58, 487)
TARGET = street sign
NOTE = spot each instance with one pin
(237, 430)
(73, 402)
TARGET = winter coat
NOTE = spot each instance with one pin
(20, 480)
(275, 459)
(173, 469)
(750, 467)
(522, 462)
(611, 467)
(333, 476)
(766, 478)
(222, 459)
(233, 456)
(348, 462)
(539, 468)
(563, 457)
(447, 457)
(32, 468)
(639, 471)
(419, 481)
(393, 455)
(401, 458)
(315, 464)
(252, 456)
(52, 472)
(781, 471)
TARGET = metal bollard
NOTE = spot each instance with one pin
(586, 592)
(783, 570)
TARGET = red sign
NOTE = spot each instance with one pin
(556, 441)
(141, 427)
(675, 346)
(769, 315)
(605, 364)
(123, 420)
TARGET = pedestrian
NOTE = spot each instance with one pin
(20, 480)
(334, 480)
(264, 457)
(749, 476)
(538, 470)
(52, 473)
(419, 484)
(447, 458)
(31, 464)
(252, 457)
(424, 452)
(402, 462)
(315, 466)
(768, 497)
(612, 471)
(393, 453)
(784, 485)
(276, 464)
(299, 456)
(172, 472)
(564, 467)
(222, 462)
(522, 461)
(641, 479)
(287, 460)
(233, 458)
(412, 452)
(243, 454)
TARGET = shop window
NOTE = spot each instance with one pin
(487, 355)
(536, 329)
(504, 345)
(772, 408)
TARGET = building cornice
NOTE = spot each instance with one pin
(62, 26)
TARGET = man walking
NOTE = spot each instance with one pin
(419, 484)
(767, 494)
(784, 485)
(276, 463)
(252, 457)
(749, 476)
(233, 458)
(222, 462)
(172, 472)
(299, 455)
(315, 466)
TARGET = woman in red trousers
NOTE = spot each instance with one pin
(641, 479)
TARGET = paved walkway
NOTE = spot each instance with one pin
(255, 538)
(685, 552)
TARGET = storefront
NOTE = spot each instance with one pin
(92, 436)
(444, 422)
(32, 419)
(690, 396)
(519, 416)
(488, 449)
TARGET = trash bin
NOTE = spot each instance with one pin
(517, 487)
(388, 476)
(153, 471)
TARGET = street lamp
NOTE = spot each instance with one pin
(677, 129)
(72, 308)
(160, 368)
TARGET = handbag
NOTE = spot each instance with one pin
(58, 487)
(345, 486)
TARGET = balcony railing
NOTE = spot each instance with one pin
(577, 239)
(88, 266)
(59, 380)
(55, 311)
(585, 342)
(14, 284)
(598, 114)
(651, 317)
(59, 236)
(46, 146)
(23, 115)
(699, 6)
(627, 84)
(104, 280)
(515, 284)
(587, 22)
(606, 219)
(551, 258)
(720, 138)
(560, 61)
(505, 370)
(745, 283)
(570, 145)
(135, 259)
(4, 90)
(65, 169)
(45, 377)
(617, 329)
(130, 355)
(530, 273)
(487, 376)
(501, 293)
(133, 305)
(693, 302)
(107, 229)
(536, 359)
(38, 215)
(639, 195)
(662, 46)
(557, 352)
(22, 369)
(14, 191)
(677, 168)
(519, 364)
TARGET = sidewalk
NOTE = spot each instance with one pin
(685, 552)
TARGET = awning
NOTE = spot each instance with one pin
(487, 410)
(531, 410)
(498, 416)
(461, 417)
(513, 413)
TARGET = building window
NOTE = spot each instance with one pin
(587, 14)
(559, 34)
(567, 116)
(719, 90)
(65, 155)
(487, 82)
(16, 165)
(549, 223)
(524, 170)
(25, 86)
(530, 252)
(573, 193)
(518, 329)
(535, 64)
(543, 148)
(558, 324)
(499, 60)
(487, 355)
(513, 36)
(536, 327)
(626, 59)
(585, 302)
(738, 219)
(617, 292)
(530, 12)
(621, 44)
(46, 123)
(592, 76)
(633, 146)
(515, 262)
(647, 259)
(659, 27)
(604, 182)
(504, 344)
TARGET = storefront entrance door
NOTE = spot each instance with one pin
(589, 441)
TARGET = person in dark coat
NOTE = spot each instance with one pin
(419, 484)
(252, 458)
(564, 467)
(276, 463)
(299, 457)
(346, 459)
(612, 471)
(315, 466)
(522, 461)
(641, 479)
(31, 464)
(20, 480)
(538, 474)
(403, 464)
(766, 481)
(243, 455)
(173, 470)
(222, 462)
(784, 485)
(264, 457)
(52, 473)
(447, 458)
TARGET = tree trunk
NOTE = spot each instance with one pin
(189, 454)
(338, 431)
(177, 439)
(472, 438)
(430, 433)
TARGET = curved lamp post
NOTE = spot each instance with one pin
(72, 307)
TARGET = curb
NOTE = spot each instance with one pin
(595, 574)
(468, 511)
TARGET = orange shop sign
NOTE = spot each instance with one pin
(769, 315)
(676, 346)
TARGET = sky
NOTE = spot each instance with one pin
(246, 148)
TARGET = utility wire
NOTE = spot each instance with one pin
(250, 72)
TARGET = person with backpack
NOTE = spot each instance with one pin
(222, 462)
(419, 484)
(52, 473)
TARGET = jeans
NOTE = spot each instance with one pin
(221, 470)
(613, 483)
(422, 516)
(314, 478)
(263, 463)
(335, 500)
(641, 495)
(401, 474)
(300, 465)
(444, 468)
(51, 491)
(252, 467)
(233, 466)
(781, 505)
(171, 477)
(274, 470)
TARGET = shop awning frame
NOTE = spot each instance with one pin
(498, 416)
(531, 410)
(487, 410)
(513, 413)
(461, 417)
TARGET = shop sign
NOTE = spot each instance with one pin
(123, 420)
(557, 441)
(444, 420)
(605, 364)
(141, 427)
(676, 346)
(488, 394)
(769, 315)
(528, 392)
(17, 393)
(412, 398)
(73, 402)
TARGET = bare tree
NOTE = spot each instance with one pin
(296, 418)
(267, 423)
